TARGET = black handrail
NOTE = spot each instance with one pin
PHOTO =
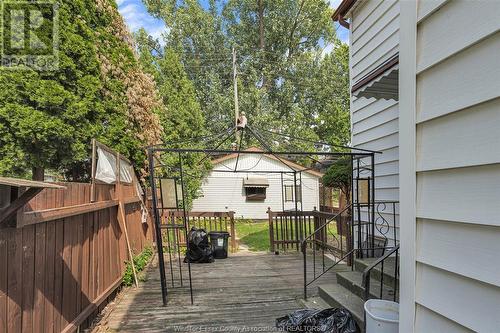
(308, 238)
(379, 223)
(380, 261)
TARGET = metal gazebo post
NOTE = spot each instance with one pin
(159, 242)
(352, 210)
(372, 160)
(184, 215)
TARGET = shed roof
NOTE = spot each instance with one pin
(291, 164)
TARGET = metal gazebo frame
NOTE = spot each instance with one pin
(239, 133)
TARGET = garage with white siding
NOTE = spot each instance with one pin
(227, 191)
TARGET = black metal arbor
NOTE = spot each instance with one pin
(362, 170)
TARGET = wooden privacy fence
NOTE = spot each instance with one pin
(210, 221)
(66, 256)
(287, 229)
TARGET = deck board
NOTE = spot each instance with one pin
(246, 291)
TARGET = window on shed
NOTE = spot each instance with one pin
(289, 193)
(255, 193)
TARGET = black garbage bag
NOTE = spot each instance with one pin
(199, 251)
(320, 321)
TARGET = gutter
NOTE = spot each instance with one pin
(339, 14)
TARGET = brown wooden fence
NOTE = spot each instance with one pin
(66, 257)
(210, 221)
(288, 228)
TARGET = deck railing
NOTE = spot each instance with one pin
(210, 221)
(287, 229)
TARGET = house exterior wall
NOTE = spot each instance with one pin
(223, 191)
(449, 260)
(374, 38)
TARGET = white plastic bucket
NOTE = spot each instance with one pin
(381, 316)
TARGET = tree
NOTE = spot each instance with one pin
(339, 176)
(99, 90)
(181, 117)
(285, 82)
(47, 116)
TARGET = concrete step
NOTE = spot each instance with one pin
(337, 296)
(353, 281)
(389, 264)
(314, 302)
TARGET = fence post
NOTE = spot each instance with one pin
(232, 231)
(271, 230)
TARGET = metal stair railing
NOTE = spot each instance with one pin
(380, 261)
(319, 239)
(329, 245)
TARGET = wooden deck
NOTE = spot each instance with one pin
(244, 293)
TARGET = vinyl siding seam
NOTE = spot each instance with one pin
(422, 69)
(376, 113)
(426, 119)
(374, 64)
(378, 138)
(360, 23)
(377, 19)
(374, 48)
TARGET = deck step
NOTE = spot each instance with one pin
(361, 264)
(337, 296)
(353, 281)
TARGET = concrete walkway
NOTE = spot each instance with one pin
(244, 293)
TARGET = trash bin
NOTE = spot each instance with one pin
(219, 242)
(381, 316)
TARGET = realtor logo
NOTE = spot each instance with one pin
(29, 35)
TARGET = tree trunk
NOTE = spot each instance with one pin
(38, 173)
(261, 25)
(262, 43)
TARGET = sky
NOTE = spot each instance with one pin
(136, 16)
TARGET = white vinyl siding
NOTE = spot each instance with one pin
(374, 36)
(457, 166)
(374, 122)
(224, 191)
(430, 321)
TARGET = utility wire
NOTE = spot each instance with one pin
(321, 143)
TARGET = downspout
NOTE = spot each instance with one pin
(342, 21)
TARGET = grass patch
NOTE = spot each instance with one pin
(140, 262)
(255, 235)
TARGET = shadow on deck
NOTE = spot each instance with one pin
(244, 293)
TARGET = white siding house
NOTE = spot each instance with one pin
(441, 146)
(452, 69)
(374, 39)
(226, 191)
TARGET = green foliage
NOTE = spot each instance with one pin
(286, 83)
(181, 119)
(47, 119)
(140, 263)
(339, 175)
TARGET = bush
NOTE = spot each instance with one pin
(140, 263)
